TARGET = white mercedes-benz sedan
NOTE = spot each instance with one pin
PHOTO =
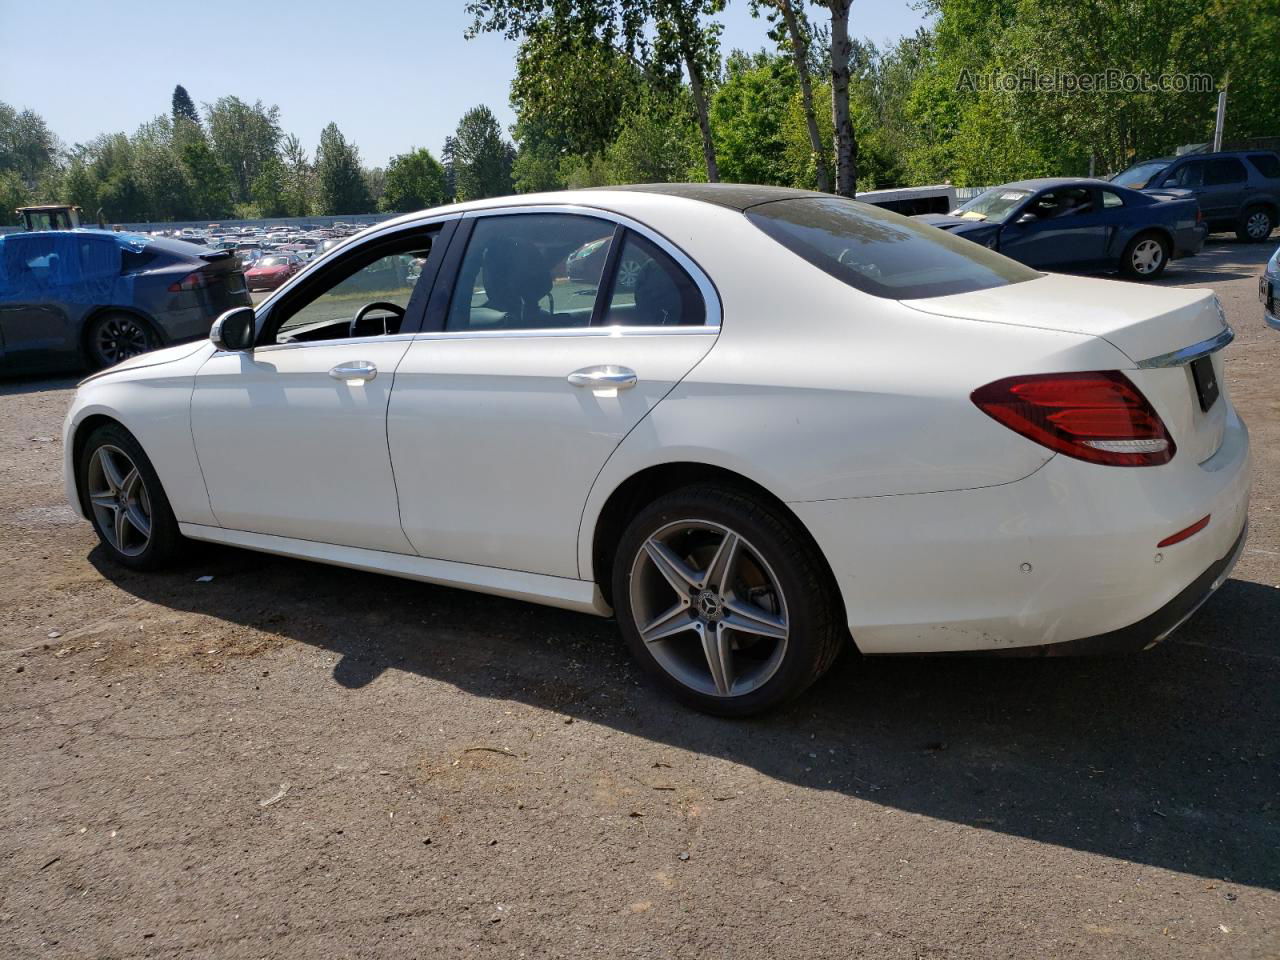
(755, 424)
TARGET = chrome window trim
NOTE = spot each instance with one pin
(340, 342)
(536, 334)
(1194, 352)
(710, 297)
(353, 242)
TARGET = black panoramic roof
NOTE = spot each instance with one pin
(735, 196)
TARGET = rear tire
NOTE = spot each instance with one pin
(725, 602)
(113, 337)
(1145, 257)
(121, 494)
(1255, 225)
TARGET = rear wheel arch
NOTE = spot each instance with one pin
(642, 488)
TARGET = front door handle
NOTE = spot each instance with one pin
(606, 376)
(353, 370)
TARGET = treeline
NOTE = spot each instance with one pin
(620, 91)
(233, 160)
(610, 91)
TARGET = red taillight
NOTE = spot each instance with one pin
(1099, 417)
(192, 281)
(1181, 535)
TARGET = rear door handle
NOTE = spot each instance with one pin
(604, 376)
(354, 370)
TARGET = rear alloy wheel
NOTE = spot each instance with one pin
(1255, 225)
(723, 601)
(123, 497)
(1146, 257)
(114, 337)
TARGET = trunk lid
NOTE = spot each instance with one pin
(1149, 325)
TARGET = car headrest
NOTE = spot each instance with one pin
(516, 275)
(658, 300)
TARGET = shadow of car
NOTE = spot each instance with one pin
(92, 298)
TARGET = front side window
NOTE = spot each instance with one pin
(383, 273)
(882, 253)
(1188, 175)
(1061, 202)
(534, 271)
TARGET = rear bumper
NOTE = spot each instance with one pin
(1189, 242)
(1150, 630)
(1068, 554)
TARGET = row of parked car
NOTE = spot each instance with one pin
(1136, 222)
(93, 298)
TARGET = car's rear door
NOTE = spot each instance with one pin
(292, 437)
(538, 366)
(1223, 193)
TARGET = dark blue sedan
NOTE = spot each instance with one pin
(91, 298)
(1068, 224)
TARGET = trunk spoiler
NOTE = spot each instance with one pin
(1194, 352)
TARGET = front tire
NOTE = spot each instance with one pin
(1145, 257)
(115, 337)
(122, 495)
(724, 600)
(1255, 225)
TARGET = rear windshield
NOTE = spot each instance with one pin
(882, 253)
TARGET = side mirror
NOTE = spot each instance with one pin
(234, 330)
(1027, 218)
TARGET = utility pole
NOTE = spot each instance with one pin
(1217, 126)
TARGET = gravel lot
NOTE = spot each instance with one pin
(300, 761)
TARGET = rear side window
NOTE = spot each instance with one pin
(131, 261)
(882, 253)
(1110, 200)
(1225, 170)
(651, 290)
(1267, 164)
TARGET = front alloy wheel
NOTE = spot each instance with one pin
(121, 506)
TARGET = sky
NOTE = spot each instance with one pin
(392, 75)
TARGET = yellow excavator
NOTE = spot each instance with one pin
(50, 216)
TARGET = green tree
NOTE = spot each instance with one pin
(299, 178)
(243, 136)
(340, 187)
(268, 189)
(27, 146)
(414, 181)
(481, 158)
(793, 33)
(182, 107)
(213, 184)
(659, 142)
(13, 194)
(749, 113)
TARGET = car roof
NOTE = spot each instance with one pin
(735, 196)
(1040, 183)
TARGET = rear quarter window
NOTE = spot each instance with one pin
(882, 253)
(1267, 164)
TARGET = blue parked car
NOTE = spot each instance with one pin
(91, 298)
(1068, 224)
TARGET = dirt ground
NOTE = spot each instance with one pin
(299, 761)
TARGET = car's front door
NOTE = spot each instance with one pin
(38, 272)
(292, 436)
(563, 330)
(1058, 229)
